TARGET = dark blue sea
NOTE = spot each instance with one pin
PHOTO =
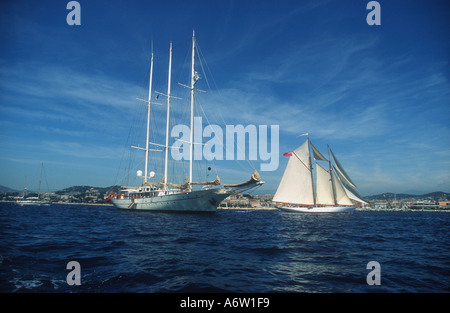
(254, 251)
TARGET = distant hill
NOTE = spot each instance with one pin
(437, 195)
(7, 189)
(84, 189)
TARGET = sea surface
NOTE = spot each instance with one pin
(230, 251)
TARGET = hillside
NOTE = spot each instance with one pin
(6, 189)
(83, 193)
(86, 189)
(437, 195)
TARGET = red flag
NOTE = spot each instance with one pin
(288, 154)
(110, 196)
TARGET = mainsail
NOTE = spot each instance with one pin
(324, 187)
(296, 185)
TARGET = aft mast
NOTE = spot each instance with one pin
(333, 188)
(40, 179)
(311, 172)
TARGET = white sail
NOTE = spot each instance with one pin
(352, 193)
(324, 187)
(316, 153)
(348, 186)
(296, 185)
(341, 171)
(341, 195)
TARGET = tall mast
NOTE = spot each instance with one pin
(167, 118)
(311, 172)
(148, 118)
(193, 81)
(331, 175)
(40, 179)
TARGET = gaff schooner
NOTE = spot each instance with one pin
(167, 196)
(331, 191)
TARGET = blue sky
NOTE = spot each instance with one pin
(379, 95)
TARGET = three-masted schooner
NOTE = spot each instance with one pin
(167, 196)
(333, 190)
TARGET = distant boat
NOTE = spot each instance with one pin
(36, 201)
(331, 191)
(159, 196)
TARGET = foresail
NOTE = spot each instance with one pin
(350, 189)
(324, 187)
(341, 170)
(353, 194)
(296, 184)
(341, 195)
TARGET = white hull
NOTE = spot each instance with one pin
(195, 201)
(325, 209)
(35, 203)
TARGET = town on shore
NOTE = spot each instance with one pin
(99, 195)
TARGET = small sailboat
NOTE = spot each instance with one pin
(327, 191)
(167, 196)
(37, 201)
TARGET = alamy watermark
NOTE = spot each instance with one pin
(74, 16)
(214, 143)
(374, 16)
(374, 277)
(74, 276)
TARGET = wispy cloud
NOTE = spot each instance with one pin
(90, 91)
(73, 102)
(79, 150)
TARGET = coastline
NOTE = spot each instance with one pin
(263, 208)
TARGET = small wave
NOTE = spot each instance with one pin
(186, 240)
(123, 282)
(271, 251)
(198, 288)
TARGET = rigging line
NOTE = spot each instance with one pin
(125, 150)
(223, 145)
(302, 161)
(185, 63)
(221, 141)
(212, 94)
(45, 176)
(209, 124)
(214, 165)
